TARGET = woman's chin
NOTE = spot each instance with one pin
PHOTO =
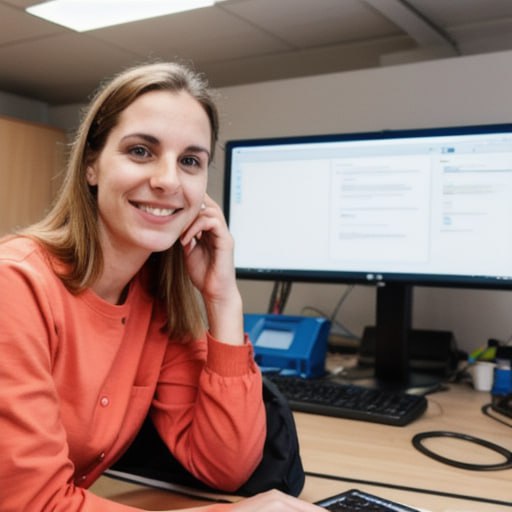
(156, 245)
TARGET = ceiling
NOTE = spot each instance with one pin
(245, 41)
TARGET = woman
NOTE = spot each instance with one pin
(99, 320)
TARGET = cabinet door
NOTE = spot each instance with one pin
(31, 164)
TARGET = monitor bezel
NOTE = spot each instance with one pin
(368, 277)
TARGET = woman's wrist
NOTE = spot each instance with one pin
(225, 319)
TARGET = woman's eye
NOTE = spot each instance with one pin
(139, 152)
(191, 161)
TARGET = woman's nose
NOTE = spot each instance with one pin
(165, 176)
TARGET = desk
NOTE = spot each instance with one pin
(381, 459)
(380, 453)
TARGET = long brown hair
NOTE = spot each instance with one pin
(70, 230)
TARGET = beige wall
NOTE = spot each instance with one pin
(458, 91)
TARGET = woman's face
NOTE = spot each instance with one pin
(151, 175)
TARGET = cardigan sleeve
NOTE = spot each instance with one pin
(36, 472)
(209, 410)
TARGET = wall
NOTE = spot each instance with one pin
(65, 117)
(458, 91)
(19, 107)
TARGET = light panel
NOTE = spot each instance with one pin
(83, 15)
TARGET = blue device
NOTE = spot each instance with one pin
(294, 345)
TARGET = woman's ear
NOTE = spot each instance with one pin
(91, 175)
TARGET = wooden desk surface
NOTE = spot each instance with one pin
(314, 490)
(380, 453)
(381, 459)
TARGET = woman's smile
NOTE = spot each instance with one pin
(157, 211)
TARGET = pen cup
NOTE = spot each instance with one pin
(482, 373)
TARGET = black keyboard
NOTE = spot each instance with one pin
(329, 398)
(359, 501)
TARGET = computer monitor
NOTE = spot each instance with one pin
(392, 209)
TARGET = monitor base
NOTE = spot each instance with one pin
(416, 383)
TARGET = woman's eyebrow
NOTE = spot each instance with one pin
(145, 136)
(198, 149)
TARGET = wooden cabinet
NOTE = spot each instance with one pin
(32, 159)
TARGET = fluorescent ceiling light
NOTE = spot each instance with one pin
(82, 15)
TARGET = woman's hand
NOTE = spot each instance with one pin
(208, 247)
(270, 501)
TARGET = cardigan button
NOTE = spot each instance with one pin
(80, 479)
(104, 401)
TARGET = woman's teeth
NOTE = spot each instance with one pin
(158, 212)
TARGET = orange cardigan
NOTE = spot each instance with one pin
(78, 376)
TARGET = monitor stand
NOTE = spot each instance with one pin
(393, 327)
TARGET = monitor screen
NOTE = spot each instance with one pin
(390, 208)
(423, 206)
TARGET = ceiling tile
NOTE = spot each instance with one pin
(16, 25)
(61, 68)
(461, 12)
(204, 34)
(304, 23)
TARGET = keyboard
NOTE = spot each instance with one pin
(355, 500)
(329, 398)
